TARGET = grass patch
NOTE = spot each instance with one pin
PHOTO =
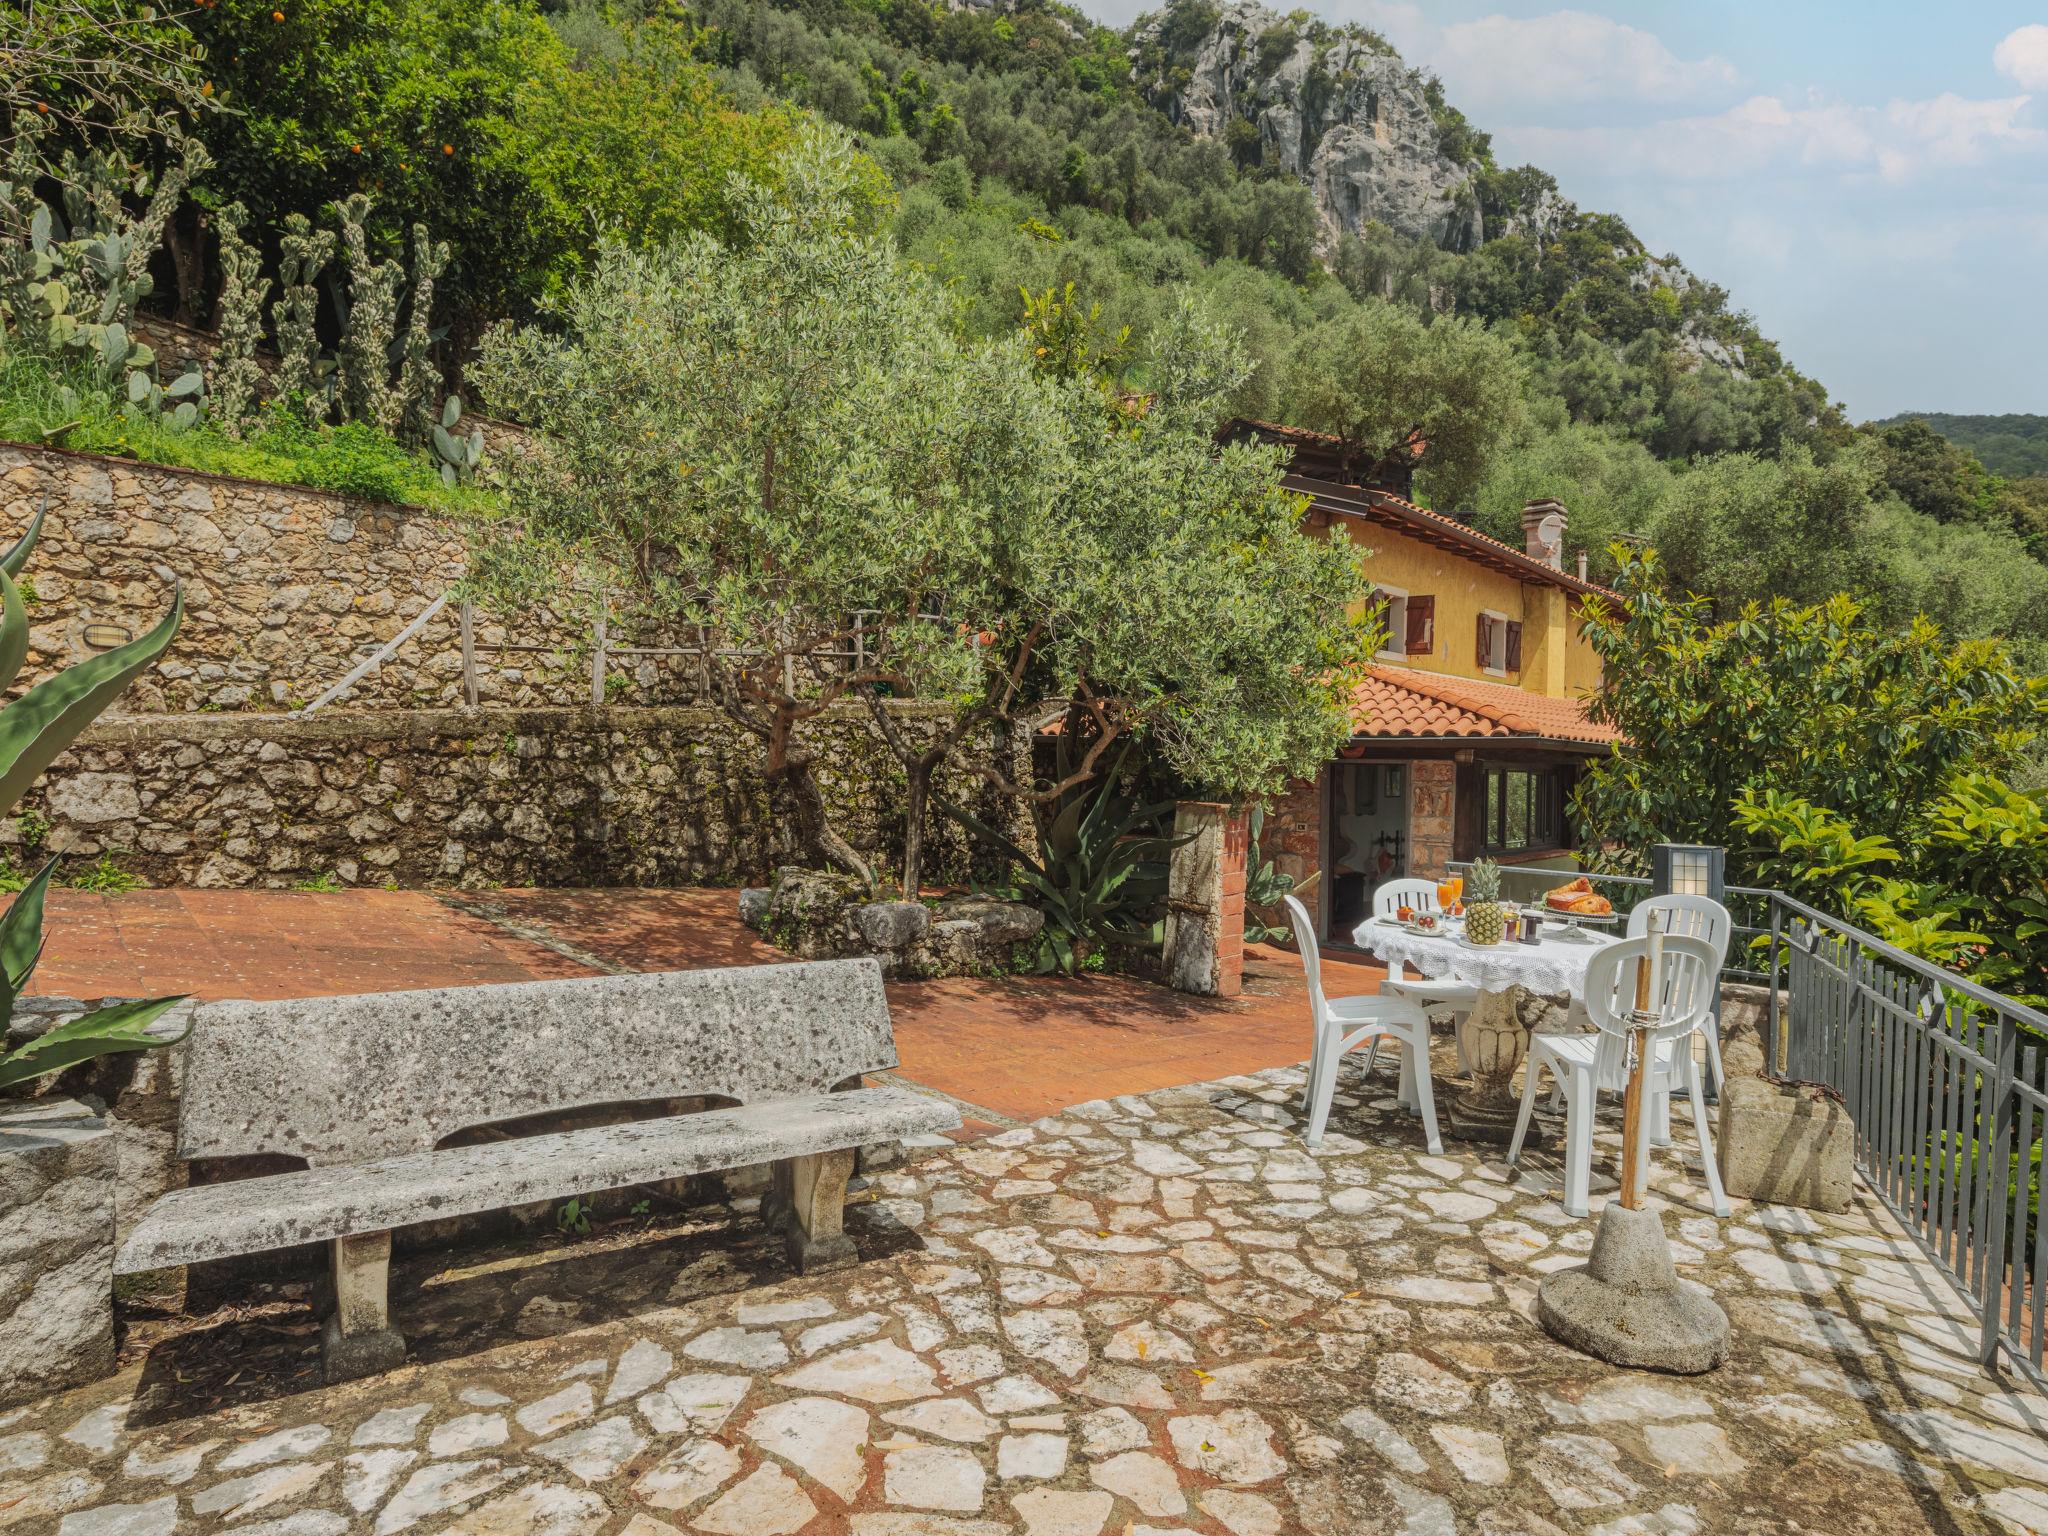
(351, 460)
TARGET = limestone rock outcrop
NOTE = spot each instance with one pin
(1340, 111)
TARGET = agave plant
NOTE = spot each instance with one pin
(1098, 872)
(33, 730)
(1266, 885)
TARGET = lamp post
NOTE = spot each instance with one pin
(1692, 869)
(1689, 869)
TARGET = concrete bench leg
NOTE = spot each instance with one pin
(358, 1339)
(808, 1204)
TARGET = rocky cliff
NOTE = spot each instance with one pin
(1334, 106)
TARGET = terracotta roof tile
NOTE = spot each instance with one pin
(1397, 702)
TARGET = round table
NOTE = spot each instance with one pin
(1495, 1033)
(1549, 967)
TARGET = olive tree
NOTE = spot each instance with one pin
(780, 444)
(775, 445)
(1139, 581)
(1392, 386)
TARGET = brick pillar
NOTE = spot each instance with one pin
(1205, 900)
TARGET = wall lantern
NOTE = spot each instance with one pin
(1688, 869)
(106, 637)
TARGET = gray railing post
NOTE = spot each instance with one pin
(597, 661)
(1774, 1024)
(1991, 1273)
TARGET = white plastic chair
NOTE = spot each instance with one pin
(1455, 997)
(1693, 917)
(1341, 1023)
(1685, 917)
(1585, 1064)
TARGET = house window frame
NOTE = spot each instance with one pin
(1393, 603)
(1545, 821)
(1497, 635)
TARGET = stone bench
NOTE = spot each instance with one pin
(366, 1088)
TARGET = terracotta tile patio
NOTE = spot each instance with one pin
(1017, 1047)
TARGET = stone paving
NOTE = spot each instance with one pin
(1150, 1316)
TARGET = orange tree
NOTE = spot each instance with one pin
(1806, 702)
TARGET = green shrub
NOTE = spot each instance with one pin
(40, 402)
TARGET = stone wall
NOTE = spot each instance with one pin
(615, 796)
(1432, 804)
(285, 590)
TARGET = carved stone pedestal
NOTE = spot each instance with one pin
(1495, 1038)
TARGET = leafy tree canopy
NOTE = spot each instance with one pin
(1808, 701)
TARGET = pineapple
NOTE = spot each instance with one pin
(1486, 920)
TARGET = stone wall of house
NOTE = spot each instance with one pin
(613, 796)
(286, 589)
(1292, 837)
(1432, 805)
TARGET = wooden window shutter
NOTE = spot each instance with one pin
(1421, 625)
(1514, 646)
(1482, 648)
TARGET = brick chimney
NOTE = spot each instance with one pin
(1534, 515)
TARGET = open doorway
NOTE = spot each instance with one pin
(1367, 818)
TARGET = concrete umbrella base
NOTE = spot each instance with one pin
(1625, 1305)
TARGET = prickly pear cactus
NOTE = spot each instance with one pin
(419, 381)
(364, 361)
(231, 397)
(305, 253)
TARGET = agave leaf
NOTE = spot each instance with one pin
(46, 719)
(105, 1032)
(13, 631)
(21, 932)
(17, 557)
(986, 833)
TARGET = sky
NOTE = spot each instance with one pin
(1869, 178)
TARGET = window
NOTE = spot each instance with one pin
(1499, 646)
(1392, 603)
(1524, 809)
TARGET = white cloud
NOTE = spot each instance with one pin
(1766, 134)
(2023, 55)
(1568, 56)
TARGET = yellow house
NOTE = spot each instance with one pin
(1471, 729)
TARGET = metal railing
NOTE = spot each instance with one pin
(1944, 1080)
(604, 648)
(1749, 905)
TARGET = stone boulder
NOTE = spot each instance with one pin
(892, 927)
(996, 922)
(58, 1168)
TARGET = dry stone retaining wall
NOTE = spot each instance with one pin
(615, 796)
(285, 590)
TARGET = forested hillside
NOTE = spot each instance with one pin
(2006, 445)
(1315, 192)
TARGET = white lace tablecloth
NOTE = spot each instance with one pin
(1549, 967)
